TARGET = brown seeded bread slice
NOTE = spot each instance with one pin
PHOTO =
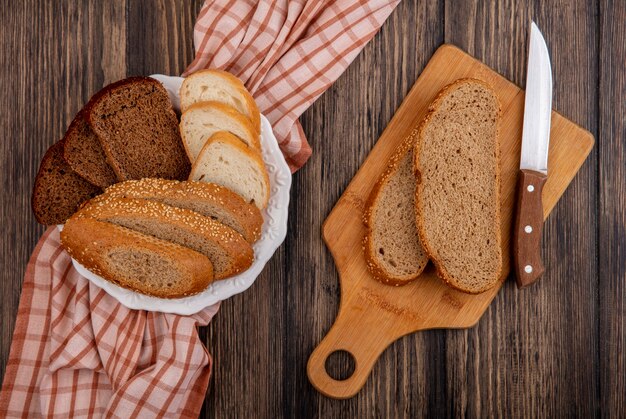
(201, 120)
(457, 200)
(219, 86)
(83, 152)
(206, 199)
(138, 130)
(226, 161)
(392, 247)
(229, 252)
(58, 190)
(136, 261)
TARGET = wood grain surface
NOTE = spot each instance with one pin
(555, 349)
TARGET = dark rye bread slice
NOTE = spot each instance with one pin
(83, 152)
(392, 247)
(58, 191)
(457, 199)
(227, 250)
(207, 199)
(136, 261)
(138, 130)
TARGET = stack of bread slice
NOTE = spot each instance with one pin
(439, 198)
(164, 238)
(220, 129)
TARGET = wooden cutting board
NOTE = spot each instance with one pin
(372, 315)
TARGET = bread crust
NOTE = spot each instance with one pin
(370, 255)
(432, 255)
(248, 215)
(87, 239)
(253, 109)
(255, 155)
(231, 112)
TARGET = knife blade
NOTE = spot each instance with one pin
(533, 162)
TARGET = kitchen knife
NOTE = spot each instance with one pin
(533, 163)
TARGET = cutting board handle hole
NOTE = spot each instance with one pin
(340, 365)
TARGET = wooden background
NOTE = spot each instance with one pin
(556, 349)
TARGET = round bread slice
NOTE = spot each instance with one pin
(457, 199)
(201, 120)
(83, 152)
(227, 250)
(392, 246)
(228, 162)
(58, 190)
(219, 86)
(136, 261)
(207, 199)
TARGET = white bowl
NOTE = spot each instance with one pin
(273, 234)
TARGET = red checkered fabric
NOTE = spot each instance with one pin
(77, 352)
(286, 52)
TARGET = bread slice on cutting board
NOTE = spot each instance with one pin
(200, 121)
(219, 86)
(83, 152)
(136, 261)
(58, 190)
(207, 199)
(226, 161)
(227, 250)
(138, 130)
(457, 199)
(392, 247)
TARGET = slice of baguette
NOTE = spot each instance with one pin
(219, 86)
(58, 190)
(228, 162)
(457, 200)
(135, 261)
(138, 130)
(206, 199)
(227, 250)
(202, 120)
(83, 152)
(392, 247)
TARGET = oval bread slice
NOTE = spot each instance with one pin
(457, 199)
(207, 199)
(219, 86)
(136, 261)
(228, 162)
(227, 250)
(201, 120)
(392, 246)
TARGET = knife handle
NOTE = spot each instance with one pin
(528, 228)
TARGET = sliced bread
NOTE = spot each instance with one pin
(392, 247)
(206, 199)
(200, 121)
(219, 86)
(138, 130)
(456, 161)
(227, 250)
(135, 261)
(58, 190)
(83, 152)
(226, 161)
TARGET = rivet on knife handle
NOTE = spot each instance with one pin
(528, 227)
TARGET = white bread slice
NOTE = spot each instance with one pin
(201, 120)
(136, 261)
(457, 199)
(207, 199)
(228, 162)
(219, 86)
(392, 246)
(227, 250)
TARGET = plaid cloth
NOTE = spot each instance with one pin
(76, 351)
